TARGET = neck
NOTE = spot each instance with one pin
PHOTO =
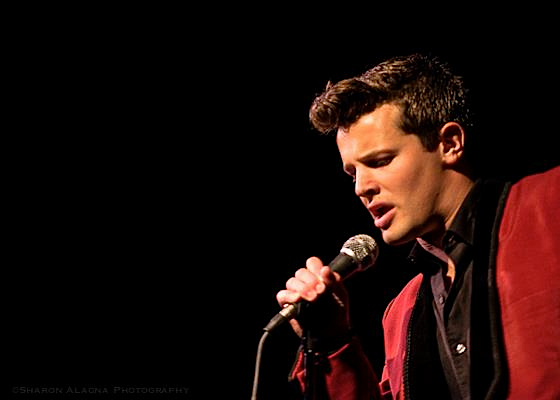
(449, 269)
(454, 191)
(458, 191)
(449, 274)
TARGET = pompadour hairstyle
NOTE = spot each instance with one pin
(425, 88)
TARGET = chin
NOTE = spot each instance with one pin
(394, 238)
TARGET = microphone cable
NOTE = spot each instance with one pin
(258, 365)
(357, 254)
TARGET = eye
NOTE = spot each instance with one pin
(353, 176)
(350, 171)
(380, 162)
(384, 161)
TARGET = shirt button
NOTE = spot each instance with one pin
(441, 299)
(460, 348)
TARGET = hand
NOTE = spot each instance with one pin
(329, 318)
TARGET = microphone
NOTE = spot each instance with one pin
(357, 254)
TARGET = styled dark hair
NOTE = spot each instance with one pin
(427, 91)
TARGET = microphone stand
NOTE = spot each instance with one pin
(309, 356)
(310, 372)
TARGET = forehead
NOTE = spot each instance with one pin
(378, 127)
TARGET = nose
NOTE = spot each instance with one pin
(365, 186)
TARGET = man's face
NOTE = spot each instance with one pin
(396, 178)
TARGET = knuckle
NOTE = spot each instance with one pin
(292, 283)
(302, 273)
(311, 296)
(280, 296)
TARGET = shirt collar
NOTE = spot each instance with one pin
(461, 230)
(462, 227)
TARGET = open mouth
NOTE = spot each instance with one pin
(378, 212)
(382, 215)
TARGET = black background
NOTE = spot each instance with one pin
(166, 181)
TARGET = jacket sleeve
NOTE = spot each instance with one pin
(346, 374)
(528, 276)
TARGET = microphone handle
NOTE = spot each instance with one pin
(286, 314)
(343, 264)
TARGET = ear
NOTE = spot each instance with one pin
(452, 143)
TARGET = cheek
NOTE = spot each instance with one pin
(416, 184)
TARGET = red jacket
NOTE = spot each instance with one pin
(527, 276)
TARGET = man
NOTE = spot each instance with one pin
(482, 317)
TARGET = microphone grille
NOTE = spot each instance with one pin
(365, 249)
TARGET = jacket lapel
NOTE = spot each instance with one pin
(423, 375)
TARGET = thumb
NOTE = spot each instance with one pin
(329, 277)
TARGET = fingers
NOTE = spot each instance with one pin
(314, 265)
(285, 297)
(308, 283)
(323, 272)
(328, 276)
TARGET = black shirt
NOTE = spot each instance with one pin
(452, 308)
